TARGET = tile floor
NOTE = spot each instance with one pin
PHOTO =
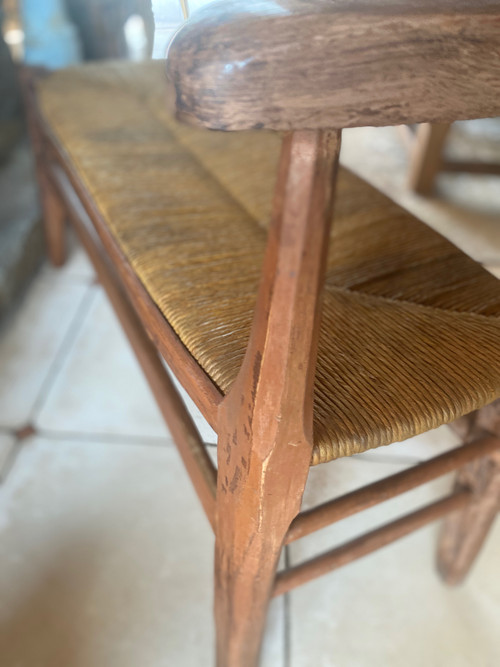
(105, 555)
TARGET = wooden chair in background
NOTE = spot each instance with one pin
(296, 350)
(426, 148)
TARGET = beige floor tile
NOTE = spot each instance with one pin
(107, 561)
(78, 264)
(29, 344)
(390, 608)
(101, 389)
(7, 444)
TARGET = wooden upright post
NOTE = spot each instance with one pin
(265, 422)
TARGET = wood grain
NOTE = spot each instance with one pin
(390, 487)
(265, 422)
(376, 539)
(293, 64)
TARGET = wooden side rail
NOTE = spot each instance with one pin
(319, 517)
(462, 166)
(194, 455)
(193, 378)
(190, 374)
(362, 546)
(290, 64)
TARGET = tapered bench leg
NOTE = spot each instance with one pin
(54, 219)
(463, 533)
(53, 210)
(426, 156)
(250, 532)
(265, 421)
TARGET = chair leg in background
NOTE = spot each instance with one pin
(426, 156)
(53, 209)
(463, 533)
(54, 220)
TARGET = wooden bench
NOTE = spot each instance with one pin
(300, 340)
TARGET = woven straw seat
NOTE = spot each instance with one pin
(410, 335)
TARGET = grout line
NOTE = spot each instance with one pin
(287, 638)
(10, 460)
(63, 351)
(48, 272)
(107, 438)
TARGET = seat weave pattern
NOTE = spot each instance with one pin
(410, 332)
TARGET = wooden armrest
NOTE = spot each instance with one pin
(309, 64)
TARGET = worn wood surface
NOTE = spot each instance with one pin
(265, 422)
(292, 64)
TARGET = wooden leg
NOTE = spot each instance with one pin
(54, 219)
(265, 421)
(426, 156)
(248, 546)
(463, 533)
(53, 209)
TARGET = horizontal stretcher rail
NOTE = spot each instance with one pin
(362, 546)
(471, 167)
(200, 468)
(323, 515)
